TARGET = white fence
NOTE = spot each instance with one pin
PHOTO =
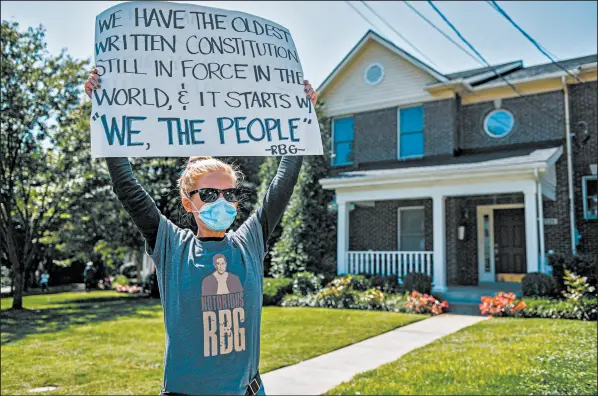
(389, 263)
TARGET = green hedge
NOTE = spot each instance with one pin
(538, 307)
(275, 289)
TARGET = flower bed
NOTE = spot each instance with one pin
(355, 292)
(127, 289)
(502, 304)
(425, 303)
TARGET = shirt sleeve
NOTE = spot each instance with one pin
(166, 235)
(136, 201)
(278, 194)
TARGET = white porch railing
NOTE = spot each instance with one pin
(389, 263)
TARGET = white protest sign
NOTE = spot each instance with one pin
(182, 80)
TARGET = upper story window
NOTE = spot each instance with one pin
(589, 186)
(499, 123)
(342, 141)
(373, 74)
(411, 132)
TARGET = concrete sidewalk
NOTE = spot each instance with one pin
(320, 374)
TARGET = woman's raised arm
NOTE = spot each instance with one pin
(136, 201)
(281, 188)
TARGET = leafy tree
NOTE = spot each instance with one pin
(41, 160)
(308, 238)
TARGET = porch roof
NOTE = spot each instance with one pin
(485, 165)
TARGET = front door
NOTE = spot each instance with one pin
(509, 244)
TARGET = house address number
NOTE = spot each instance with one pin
(551, 221)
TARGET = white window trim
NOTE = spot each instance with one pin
(404, 208)
(332, 151)
(488, 116)
(365, 74)
(399, 132)
(584, 195)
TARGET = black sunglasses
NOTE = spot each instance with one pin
(211, 194)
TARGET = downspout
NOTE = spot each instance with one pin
(569, 167)
(542, 267)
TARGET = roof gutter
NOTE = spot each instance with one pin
(459, 86)
(587, 68)
(452, 174)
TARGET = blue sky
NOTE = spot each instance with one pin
(325, 31)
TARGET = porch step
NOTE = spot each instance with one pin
(473, 294)
(464, 309)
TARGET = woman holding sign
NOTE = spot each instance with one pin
(211, 283)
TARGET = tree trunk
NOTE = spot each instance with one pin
(17, 266)
(17, 302)
(139, 261)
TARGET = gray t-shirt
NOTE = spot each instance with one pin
(211, 291)
(211, 294)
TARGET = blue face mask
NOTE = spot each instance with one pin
(218, 215)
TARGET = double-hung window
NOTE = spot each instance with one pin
(411, 229)
(411, 132)
(589, 187)
(342, 145)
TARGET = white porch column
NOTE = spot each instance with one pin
(342, 237)
(542, 250)
(531, 230)
(439, 227)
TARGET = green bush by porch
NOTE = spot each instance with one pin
(113, 343)
(497, 356)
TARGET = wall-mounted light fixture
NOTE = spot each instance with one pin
(463, 225)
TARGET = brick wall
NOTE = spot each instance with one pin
(462, 256)
(376, 133)
(531, 124)
(557, 237)
(377, 228)
(583, 107)
(375, 136)
(439, 127)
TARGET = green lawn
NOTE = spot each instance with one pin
(110, 343)
(497, 356)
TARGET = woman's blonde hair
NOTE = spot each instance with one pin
(199, 166)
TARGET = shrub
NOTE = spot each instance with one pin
(577, 287)
(417, 281)
(538, 284)
(388, 284)
(424, 303)
(579, 265)
(502, 304)
(352, 292)
(359, 282)
(336, 297)
(121, 280)
(294, 300)
(305, 283)
(538, 307)
(275, 289)
(372, 299)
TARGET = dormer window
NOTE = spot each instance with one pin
(373, 74)
(499, 123)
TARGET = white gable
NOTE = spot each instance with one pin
(403, 83)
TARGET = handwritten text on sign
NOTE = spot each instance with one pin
(180, 80)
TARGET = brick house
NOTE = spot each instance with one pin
(457, 175)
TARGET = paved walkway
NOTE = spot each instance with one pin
(320, 374)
